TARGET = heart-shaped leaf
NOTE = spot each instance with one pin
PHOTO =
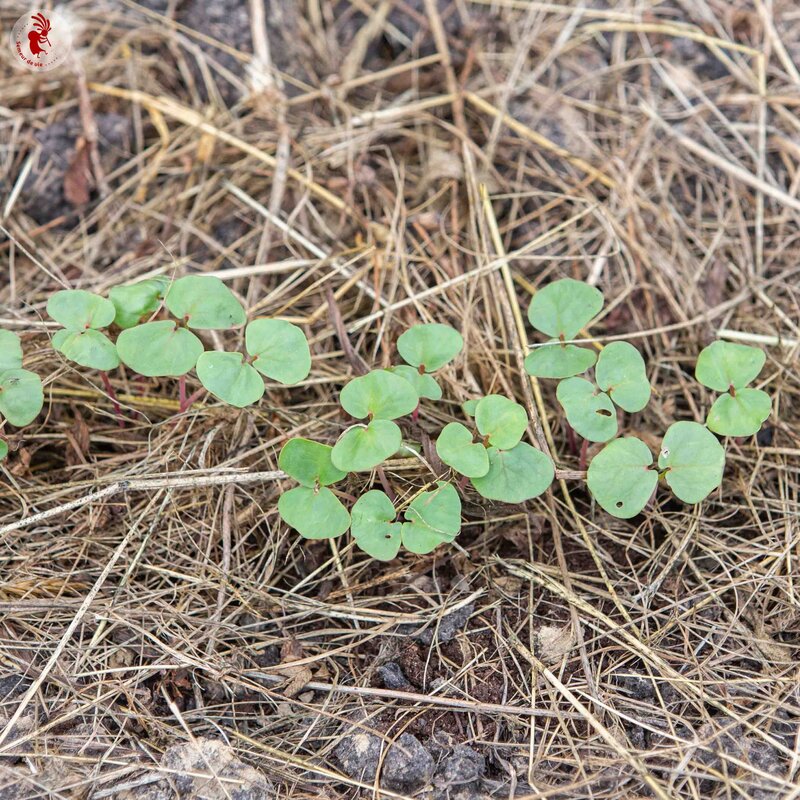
(380, 394)
(564, 307)
(620, 477)
(21, 396)
(515, 475)
(228, 377)
(362, 448)
(314, 513)
(77, 310)
(10, 351)
(432, 518)
(590, 412)
(137, 300)
(280, 349)
(425, 385)
(501, 421)
(3, 449)
(725, 364)
(456, 449)
(159, 349)
(205, 303)
(373, 526)
(309, 463)
(88, 347)
(621, 373)
(557, 360)
(694, 460)
(430, 346)
(739, 415)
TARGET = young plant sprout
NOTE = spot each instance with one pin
(728, 367)
(21, 394)
(692, 461)
(83, 314)
(620, 477)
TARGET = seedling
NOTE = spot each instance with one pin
(21, 394)
(425, 349)
(432, 518)
(692, 459)
(312, 509)
(561, 310)
(620, 477)
(728, 367)
(381, 396)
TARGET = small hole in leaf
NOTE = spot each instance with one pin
(387, 536)
(619, 504)
(603, 412)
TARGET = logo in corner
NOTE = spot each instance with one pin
(41, 42)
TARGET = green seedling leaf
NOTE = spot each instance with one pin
(620, 477)
(205, 303)
(77, 310)
(725, 364)
(694, 461)
(309, 463)
(3, 449)
(159, 349)
(739, 415)
(621, 373)
(557, 360)
(314, 513)
(469, 406)
(456, 449)
(515, 475)
(432, 518)
(564, 307)
(280, 349)
(137, 300)
(364, 447)
(21, 396)
(373, 526)
(88, 347)
(228, 377)
(501, 421)
(424, 385)
(380, 394)
(10, 351)
(429, 346)
(590, 412)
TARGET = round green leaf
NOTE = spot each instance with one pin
(314, 513)
(228, 377)
(280, 349)
(309, 463)
(557, 360)
(159, 349)
(432, 518)
(590, 412)
(21, 396)
(137, 300)
(501, 420)
(77, 310)
(10, 351)
(621, 373)
(425, 385)
(742, 415)
(515, 475)
(364, 447)
(88, 347)
(380, 394)
(620, 477)
(694, 460)
(456, 448)
(430, 346)
(563, 307)
(373, 526)
(469, 406)
(3, 449)
(205, 302)
(725, 364)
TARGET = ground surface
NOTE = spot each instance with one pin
(328, 159)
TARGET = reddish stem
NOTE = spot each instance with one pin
(584, 449)
(573, 445)
(415, 414)
(387, 487)
(462, 482)
(182, 394)
(114, 401)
